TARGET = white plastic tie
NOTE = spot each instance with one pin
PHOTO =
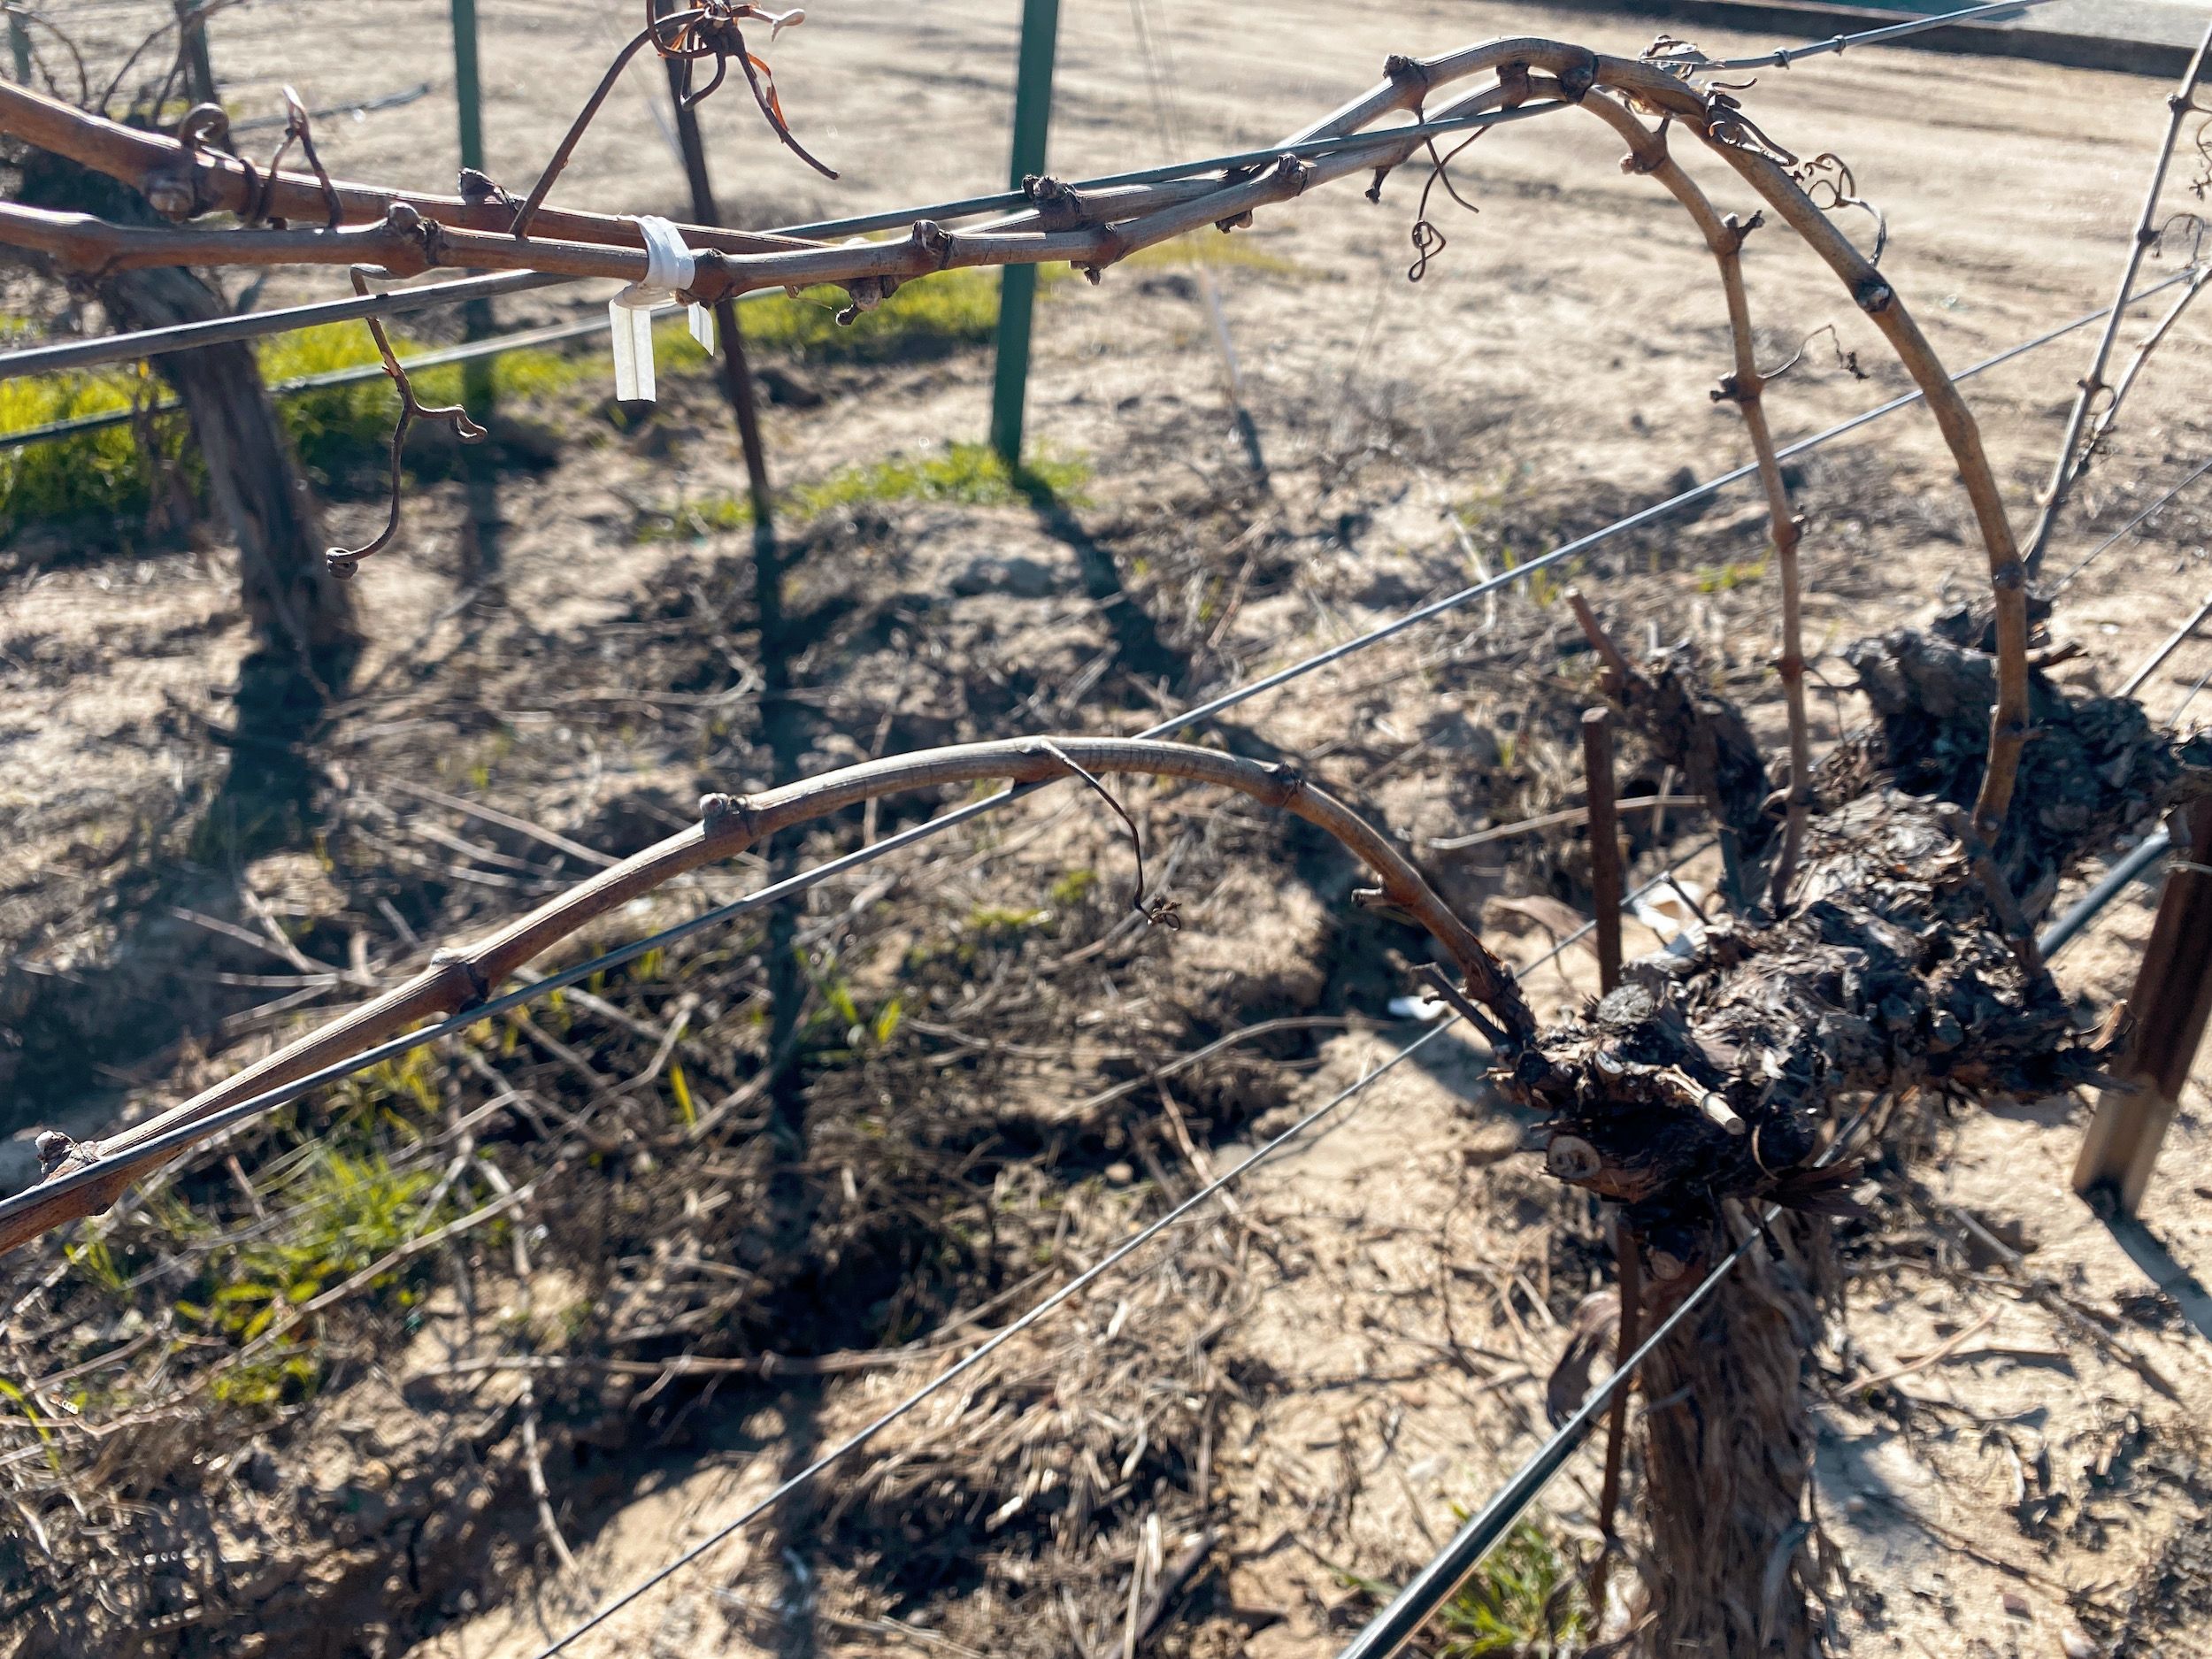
(670, 267)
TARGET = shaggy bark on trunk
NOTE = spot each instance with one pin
(1706, 1085)
(301, 616)
(304, 641)
(299, 613)
(1728, 1458)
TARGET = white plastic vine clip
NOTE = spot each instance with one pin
(670, 267)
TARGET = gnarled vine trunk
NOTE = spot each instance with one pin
(300, 615)
(1728, 1458)
(304, 641)
(1706, 1086)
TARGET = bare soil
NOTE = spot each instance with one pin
(2012, 1458)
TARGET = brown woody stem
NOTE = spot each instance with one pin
(1657, 91)
(406, 244)
(457, 980)
(2009, 718)
(410, 234)
(1648, 153)
(2074, 455)
(182, 184)
(2100, 429)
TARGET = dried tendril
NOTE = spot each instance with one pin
(343, 561)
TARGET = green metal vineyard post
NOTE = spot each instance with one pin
(1017, 283)
(467, 89)
(19, 45)
(479, 467)
(468, 93)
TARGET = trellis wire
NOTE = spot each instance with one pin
(2097, 552)
(84, 354)
(2174, 641)
(154, 1151)
(216, 331)
(357, 107)
(1786, 56)
(552, 333)
(1412, 1608)
(221, 330)
(1697, 492)
(2203, 680)
(1420, 1600)
(1437, 1582)
(2073, 462)
(1058, 1299)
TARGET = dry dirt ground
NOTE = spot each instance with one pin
(2013, 1459)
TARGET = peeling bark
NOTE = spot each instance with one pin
(1711, 1080)
(1729, 1435)
(1711, 1076)
(1703, 735)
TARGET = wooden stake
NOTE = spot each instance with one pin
(1605, 843)
(737, 372)
(2172, 1000)
(1631, 1290)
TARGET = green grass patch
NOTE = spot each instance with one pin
(839, 1031)
(341, 433)
(1072, 888)
(1210, 247)
(1544, 585)
(336, 431)
(1003, 921)
(1725, 579)
(104, 472)
(334, 428)
(954, 308)
(1525, 1601)
(971, 474)
(343, 1214)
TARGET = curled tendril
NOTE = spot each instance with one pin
(1847, 361)
(297, 129)
(1725, 123)
(1827, 182)
(343, 561)
(1160, 911)
(1428, 241)
(205, 129)
(1674, 56)
(2189, 224)
(711, 30)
